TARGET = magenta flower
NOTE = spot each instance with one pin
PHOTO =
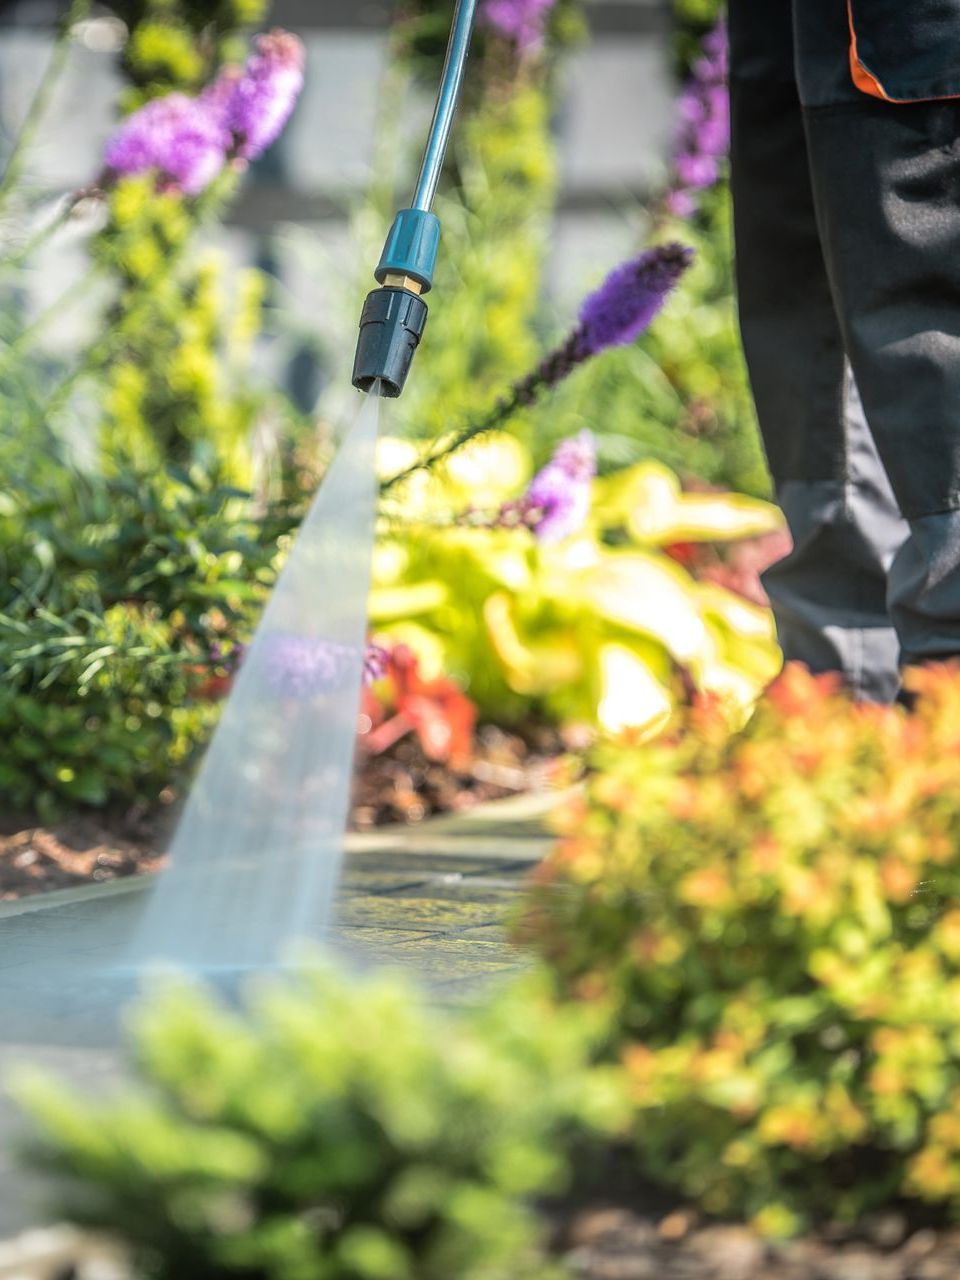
(177, 136)
(257, 102)
(703, 133)
(521, 21)
(557, 503)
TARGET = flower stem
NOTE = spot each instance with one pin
(22, 342)
(47, 231)
(521, 395)
(76, 10)
(497, 415)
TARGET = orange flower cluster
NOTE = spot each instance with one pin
(773, 919)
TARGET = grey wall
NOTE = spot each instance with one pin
(613, 125)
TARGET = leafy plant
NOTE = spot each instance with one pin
(338, 1131)
(595, 628)
(118, 604)
(145, 531)
(770, 920)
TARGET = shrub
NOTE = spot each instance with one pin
(341, 1132)
(771, 920)
(119, 603)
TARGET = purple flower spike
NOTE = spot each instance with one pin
(557, 503)
(703, 131)
(257, 102)
(521, 21)
(178, 137)
(630, 297)
(613, 316)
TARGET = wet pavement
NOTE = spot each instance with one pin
(433, 901)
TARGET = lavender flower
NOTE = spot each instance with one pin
(629, 299)
(703, 134)
(612, 316)
(557, 503)
(178, 136)
(257, 102)
(187, 141)
(521, 21)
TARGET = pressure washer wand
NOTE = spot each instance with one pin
(394, 316)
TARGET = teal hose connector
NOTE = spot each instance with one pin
(394, 315)
(411, 248)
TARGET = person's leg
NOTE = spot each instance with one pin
(886, 179)
(829, 594)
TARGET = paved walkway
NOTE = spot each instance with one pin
(431, 900)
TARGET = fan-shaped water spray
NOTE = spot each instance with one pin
(256, 857)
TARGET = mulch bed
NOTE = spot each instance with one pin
(400, 786)
(615, 1225)
(614, 1243)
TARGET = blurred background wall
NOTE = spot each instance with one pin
(612, 124)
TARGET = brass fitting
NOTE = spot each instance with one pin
(394, 281)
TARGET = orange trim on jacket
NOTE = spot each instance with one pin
(866, 81)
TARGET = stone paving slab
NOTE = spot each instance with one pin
(430, 901)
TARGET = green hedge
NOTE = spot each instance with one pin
(340, 1131)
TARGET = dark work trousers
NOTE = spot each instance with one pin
(846, 187)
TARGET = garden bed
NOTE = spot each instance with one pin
(616, 1243)
(400, 786)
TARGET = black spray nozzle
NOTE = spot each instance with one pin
(394, 316)
(391, 326)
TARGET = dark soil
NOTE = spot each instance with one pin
(610, 1242)
(81, 849)
(399, 786)
(402, 785)
(617, 1226)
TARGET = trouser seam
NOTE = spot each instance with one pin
(843, 418)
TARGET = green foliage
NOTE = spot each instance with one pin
(174, 384)
(180, 44)
(115, 593)
(108, 717)
(127, 583)
(340, 1132)
(594, 629)
(771, 921)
